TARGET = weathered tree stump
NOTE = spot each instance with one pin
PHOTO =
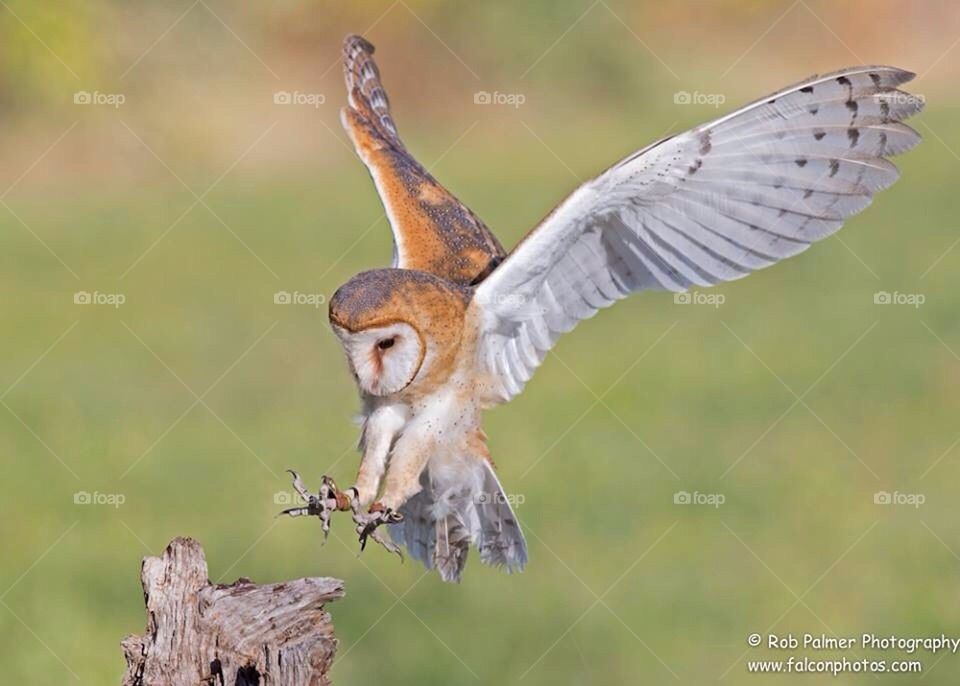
(239, 634)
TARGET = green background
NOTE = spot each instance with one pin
(797, 399)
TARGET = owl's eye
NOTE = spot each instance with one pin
(386, 359)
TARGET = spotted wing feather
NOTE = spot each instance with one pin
(709, 205)
(364, 89)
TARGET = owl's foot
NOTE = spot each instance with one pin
(328, 500)
(367, 524)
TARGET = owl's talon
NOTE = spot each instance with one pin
(329, 499)
(367, 526)
(299, 487)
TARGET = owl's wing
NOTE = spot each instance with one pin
(709, 205)
(432, 230)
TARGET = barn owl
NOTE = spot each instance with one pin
(457, 325)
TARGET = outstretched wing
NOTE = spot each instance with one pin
(432, 230)
(709, 205)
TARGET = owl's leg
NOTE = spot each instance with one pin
(402, 481)
(380, 429)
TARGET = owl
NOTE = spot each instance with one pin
(457, 325)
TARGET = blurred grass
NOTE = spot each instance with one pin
(680, 588)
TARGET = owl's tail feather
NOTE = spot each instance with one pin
(499, 537)
(451, 548)
(440, 524)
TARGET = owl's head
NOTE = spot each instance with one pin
(399, 328)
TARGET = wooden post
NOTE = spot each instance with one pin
(239, 634)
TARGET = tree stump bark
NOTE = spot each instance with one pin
(239, 634)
